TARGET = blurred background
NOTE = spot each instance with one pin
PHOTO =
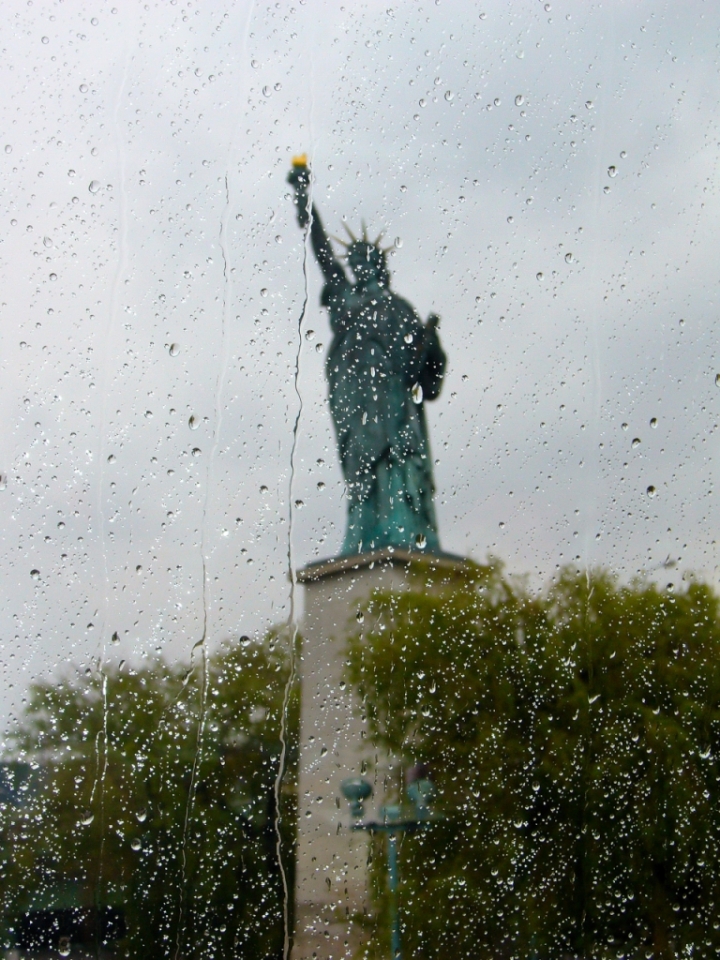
(547, 174)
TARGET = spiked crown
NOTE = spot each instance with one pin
(364, 249)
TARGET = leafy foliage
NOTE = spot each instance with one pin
(155, 791)
(574, 741)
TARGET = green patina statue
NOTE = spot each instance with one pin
(382, 365)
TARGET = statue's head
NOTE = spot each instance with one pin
(366, 260)
(367, 263)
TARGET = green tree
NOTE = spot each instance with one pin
(156, 792)
(574, 740)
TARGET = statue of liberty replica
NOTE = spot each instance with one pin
(383, 364)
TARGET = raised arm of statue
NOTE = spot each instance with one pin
(299, 177)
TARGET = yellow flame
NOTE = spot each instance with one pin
(300, 160)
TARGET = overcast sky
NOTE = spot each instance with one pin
(549, 173)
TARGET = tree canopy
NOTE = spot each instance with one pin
(573, 738)
(155, 791)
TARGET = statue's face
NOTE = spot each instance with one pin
(364, 261)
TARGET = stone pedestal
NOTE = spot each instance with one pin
(331, 895)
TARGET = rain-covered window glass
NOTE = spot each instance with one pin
(360, 398)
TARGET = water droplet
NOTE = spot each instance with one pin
(398, 242)
(636, 442)
(64, 946)
(421, 541)
(606, 189)
(87, 819)
(47, 241)
(94, 186)
(409, 339)
(193, 422)
(141, 815)
(278, 86)
(539, 275)
(310, 334)
(53, 276)
(174, 349)
(263, 489)
(651, 491)
(111, 458)
(83, 88)
(624, 426)
(264, 292)
(717, 379)
(8, 148)
(35, 574)
(138, 568)
(449, 95)
(45, 40)
(299, 504)
(196, 451)
(623, 154)
(529, 201)
(360, 616)
(653, 422)
(266, 91)
(115, 638)
(519, 100)
(569, 258)
(589, 104)
(511, 219)
(135, 844)
(318, 348)
(612, 171)
(148, 414)
(321, 485)
(3, 481)
(417, 393)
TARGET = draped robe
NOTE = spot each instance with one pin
(383, 364)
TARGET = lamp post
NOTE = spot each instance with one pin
(420, 791)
